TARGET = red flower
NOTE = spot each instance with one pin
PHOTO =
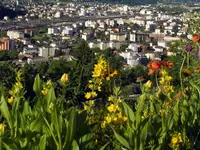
(151, 71)
(195, 38)
(167, 64)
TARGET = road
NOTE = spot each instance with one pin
(13, 25)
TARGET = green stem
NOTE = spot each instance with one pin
(180, 73)
(188, 60)
(156, 76)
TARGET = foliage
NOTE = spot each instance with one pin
(8, 55)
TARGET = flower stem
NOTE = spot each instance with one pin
(156, 76)
(188, 60)
(180, 73)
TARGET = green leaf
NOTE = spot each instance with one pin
(144, 129)
(129, 112)
(75, 145)
(70, 127)
(42, 143)
(121, 139)
(37, 86)
(103, 147)
(36, 125)
(5, 112)
(51, 97)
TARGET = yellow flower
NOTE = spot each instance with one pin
(88, 95)
(162, 80)
(125, 118)
(2, 128)
(99, 88)
(180, 138)
(90, 86)
(108, 119)
(103, 124)
(163, 72)
(113, 108)
(90, 81)
(64, 79)
(108, 78)
(174, 140)
(19, 85)
(148, 84)
(115, 119)
(10, 100)
(120, 115)
(93, 94)
(114, 73)
(86, 107)
(91, 102)
(44, 91)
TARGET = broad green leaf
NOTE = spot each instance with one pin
(144, 130)
(36, 125)
(121, 139)
(5, 112)
(129, 112)
(51, 97)
(42, 143)
(26, 109)
(75, 145)
(37, 86)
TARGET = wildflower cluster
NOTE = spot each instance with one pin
(155, 66)
(114, 115)
(17, 88)
(165, 82)
(46, 87)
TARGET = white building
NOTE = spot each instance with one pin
(15, 34)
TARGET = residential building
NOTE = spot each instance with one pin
(15, 34)
(7, 44)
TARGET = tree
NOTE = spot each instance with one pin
(82, 53)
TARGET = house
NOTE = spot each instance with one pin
(117, 37)
(7, 44)
(48, 51)
(30, 49)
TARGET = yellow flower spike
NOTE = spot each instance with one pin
(44, 91)
(2, 128)
(148, 84)
(174, 140)
(88, 95)
(64, 79)
(10, 100)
